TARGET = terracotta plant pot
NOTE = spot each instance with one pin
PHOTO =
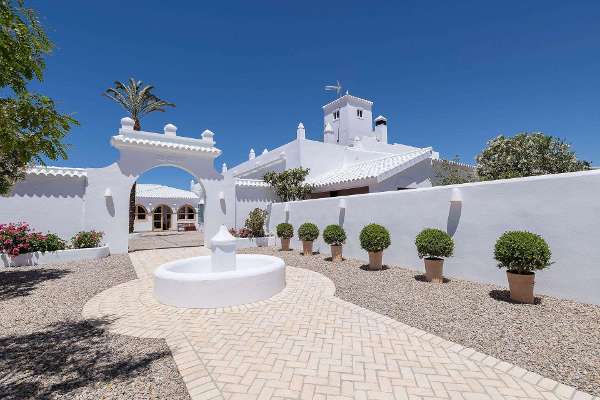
(434, 270)
(307, 247)
(285, 244)
(375, 260)
(521, 287)
(336, 253)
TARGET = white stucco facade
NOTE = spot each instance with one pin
(164, 208)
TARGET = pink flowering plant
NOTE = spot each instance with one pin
(18, 239)
(15, 239)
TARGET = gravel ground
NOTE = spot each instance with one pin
(47, 351)
(559, 339)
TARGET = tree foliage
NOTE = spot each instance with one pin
(137, 99)
(31, 128)
(451, 172)
(289, 185)
(527, 154)
(256, 222)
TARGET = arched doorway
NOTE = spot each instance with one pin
(108, 191)
(162, 218)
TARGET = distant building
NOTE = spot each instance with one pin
(165, 208)
(354, 156)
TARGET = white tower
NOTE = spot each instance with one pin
(349, 116)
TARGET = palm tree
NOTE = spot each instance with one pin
(137, 100)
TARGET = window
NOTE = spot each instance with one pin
(336, 115)
(359, 113)
(186, 212)
(140, 212)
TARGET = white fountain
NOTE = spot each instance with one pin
(222, 279)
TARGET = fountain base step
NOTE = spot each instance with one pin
(191, 282)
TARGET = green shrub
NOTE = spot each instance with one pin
(374, 238)
(256, 222)
(48, 242)
(522, 252)
(334, 235)
(285, 230)
(308, 232)
(86, 239)
(434, 243)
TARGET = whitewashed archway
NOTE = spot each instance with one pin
(108, 188)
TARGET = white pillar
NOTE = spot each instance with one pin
(300, 132)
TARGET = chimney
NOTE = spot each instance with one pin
(381, 129)
(252, 155)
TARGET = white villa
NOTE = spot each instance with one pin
(353, 158)
(165, 208)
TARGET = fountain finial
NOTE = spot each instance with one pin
(223, 246)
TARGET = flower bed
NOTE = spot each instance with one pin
(20, 245)
(54, 257)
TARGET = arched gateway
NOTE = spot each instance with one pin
(107, 192)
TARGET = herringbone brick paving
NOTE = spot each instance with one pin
(304, 343)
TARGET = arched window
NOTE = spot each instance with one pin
(186, 213)
(140, 212)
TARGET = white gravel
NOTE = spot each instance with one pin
(559, 339)
(47, 351)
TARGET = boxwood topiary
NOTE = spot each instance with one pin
(308, 232)
(434, 243)
(374, 238)
(285, 230)
(334, 235)
(522, 252)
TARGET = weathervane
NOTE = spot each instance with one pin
(337, 87)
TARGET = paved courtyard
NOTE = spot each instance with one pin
(165, 240)
(306, 343)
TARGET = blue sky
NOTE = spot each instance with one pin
(446, 74)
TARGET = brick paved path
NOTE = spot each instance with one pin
(304, 343)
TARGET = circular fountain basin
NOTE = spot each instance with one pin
(191, 282)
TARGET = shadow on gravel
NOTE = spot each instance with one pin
(422, 278)
(504, 295)
(365, 267)
(67, 356)
(22, 282)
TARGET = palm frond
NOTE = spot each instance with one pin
(136, 98)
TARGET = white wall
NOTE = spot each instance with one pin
(248, 198)
(48, 203)
(564, 209)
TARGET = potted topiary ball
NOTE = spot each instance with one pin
(285, 232)
(308, 233)
(432, 245)
(335, 236)
(375, 238)
(522, 253)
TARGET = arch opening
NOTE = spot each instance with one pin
(166, 209)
